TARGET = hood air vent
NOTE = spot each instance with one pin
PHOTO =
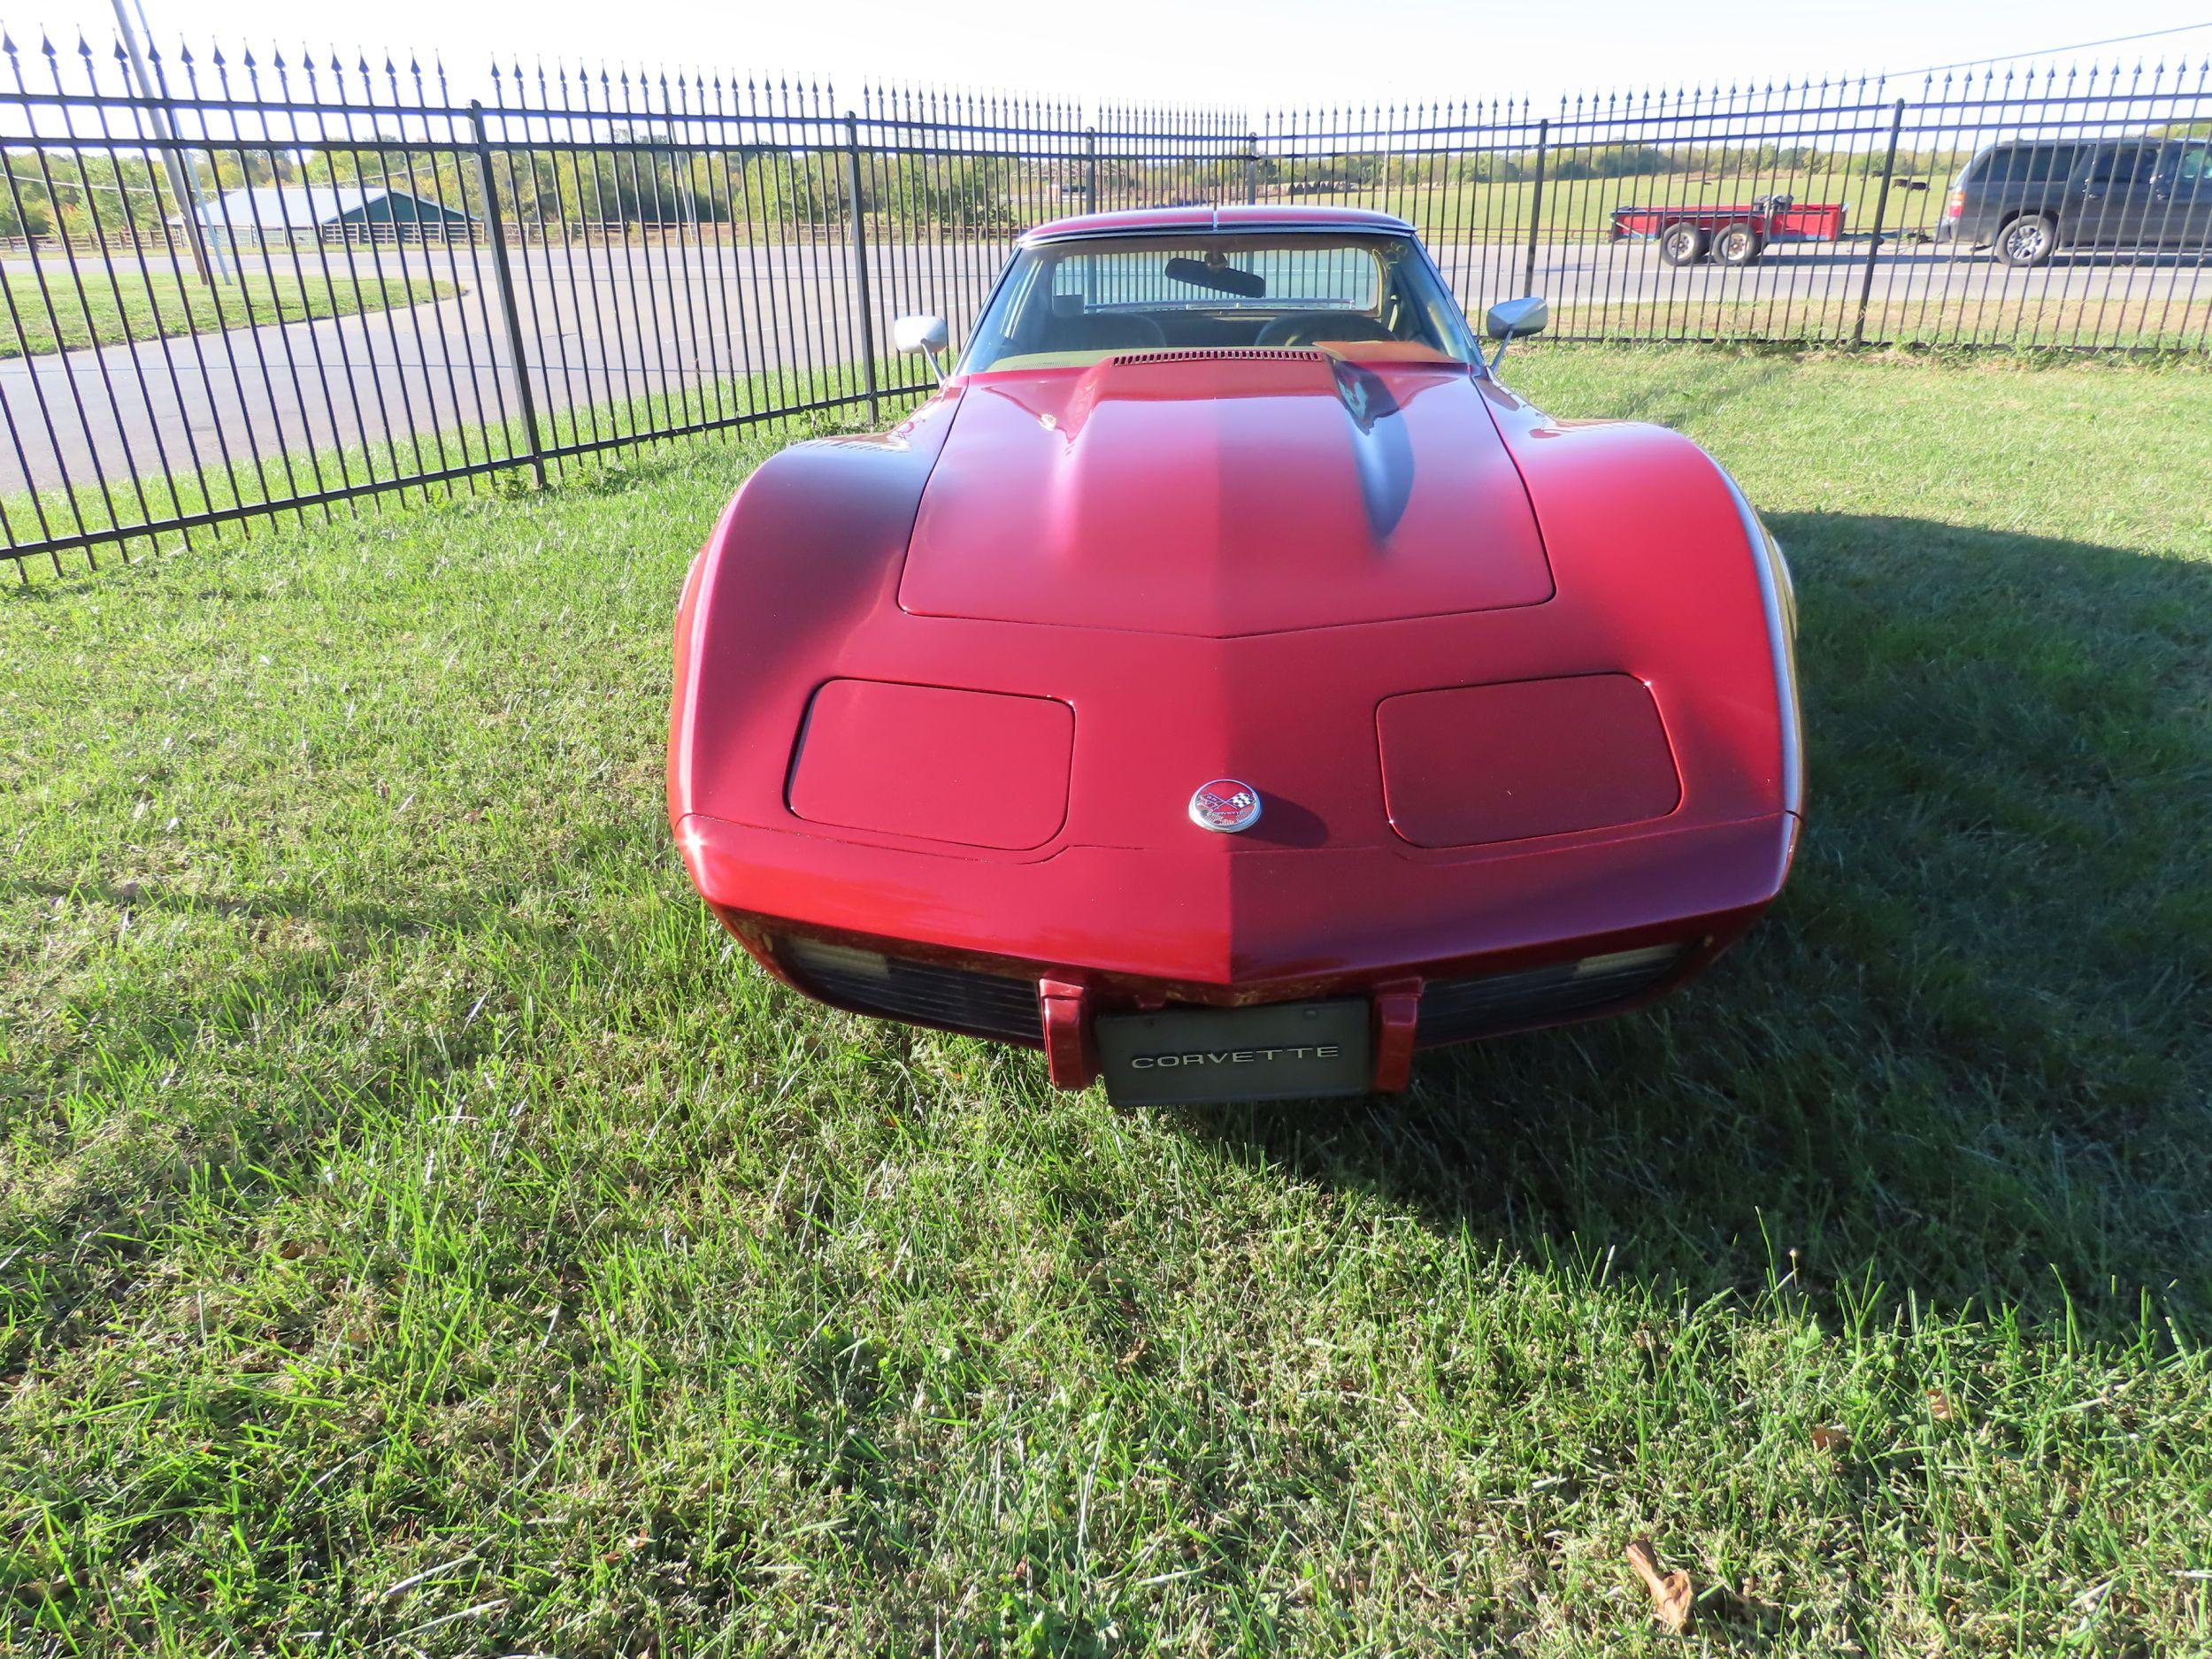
(1216, 354)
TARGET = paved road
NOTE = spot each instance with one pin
(604, 324)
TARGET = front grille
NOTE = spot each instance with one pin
(1211, 354)
(1453, 1010)
(898, 988)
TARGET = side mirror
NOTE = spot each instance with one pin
(925, 335)
(1508, 319)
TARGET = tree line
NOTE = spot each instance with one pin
(640, 181)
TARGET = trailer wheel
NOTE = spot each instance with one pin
(1681, 243)
(1738, 243)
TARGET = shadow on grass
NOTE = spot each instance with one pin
(1966, 1059)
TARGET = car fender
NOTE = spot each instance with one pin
(811, 542)
(1649, 535)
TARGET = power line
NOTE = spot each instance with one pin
(2047, 51)
(65, 184)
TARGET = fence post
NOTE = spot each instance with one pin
(1090, 170)
(1536, 204)
(1251, 168)
(858, 218)
(505, 278)
(1881, 208)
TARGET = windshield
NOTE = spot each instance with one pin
(1070, 303)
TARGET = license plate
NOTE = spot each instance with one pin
(1277, 1051)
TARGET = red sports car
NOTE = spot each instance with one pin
(1226, 684)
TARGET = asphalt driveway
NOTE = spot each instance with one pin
(601, 323)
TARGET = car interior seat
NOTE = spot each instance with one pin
(1073, 328)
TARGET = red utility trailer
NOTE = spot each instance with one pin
(1735, 234)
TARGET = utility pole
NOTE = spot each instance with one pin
(156, 113)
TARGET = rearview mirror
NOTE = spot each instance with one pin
(1510, 320)
(925, 335)
(1222, 278)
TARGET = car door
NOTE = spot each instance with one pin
(2181, 207)
(2115, 208)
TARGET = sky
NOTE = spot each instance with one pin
(1251, 55)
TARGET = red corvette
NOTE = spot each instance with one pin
(1226, 684)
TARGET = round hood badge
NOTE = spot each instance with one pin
(1227, 805)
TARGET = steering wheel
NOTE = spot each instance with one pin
(1302, 328)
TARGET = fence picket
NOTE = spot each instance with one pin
(194, 264)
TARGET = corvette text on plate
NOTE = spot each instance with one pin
(1234, 1057)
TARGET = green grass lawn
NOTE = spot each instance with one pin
(420, 1232)
(92, 306)
(2143, 322)
(1446, 212)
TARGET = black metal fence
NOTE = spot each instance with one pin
(238, 289)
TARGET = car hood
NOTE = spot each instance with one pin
(1223, 495)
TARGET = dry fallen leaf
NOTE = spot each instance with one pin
(1831, 1440)
(1939, 1405)
(1673, 1599)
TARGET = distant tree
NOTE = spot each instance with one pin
(35, 216)
(1622, 161)
(1491, 169)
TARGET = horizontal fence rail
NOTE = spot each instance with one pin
(239, 288)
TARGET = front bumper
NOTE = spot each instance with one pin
(1095, 929)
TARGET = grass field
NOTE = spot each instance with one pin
(1446, 212)
(421, 1233)
(103, 305)
(2143, 322)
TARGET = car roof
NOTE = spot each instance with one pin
(1212, 218)
(2074, 143)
